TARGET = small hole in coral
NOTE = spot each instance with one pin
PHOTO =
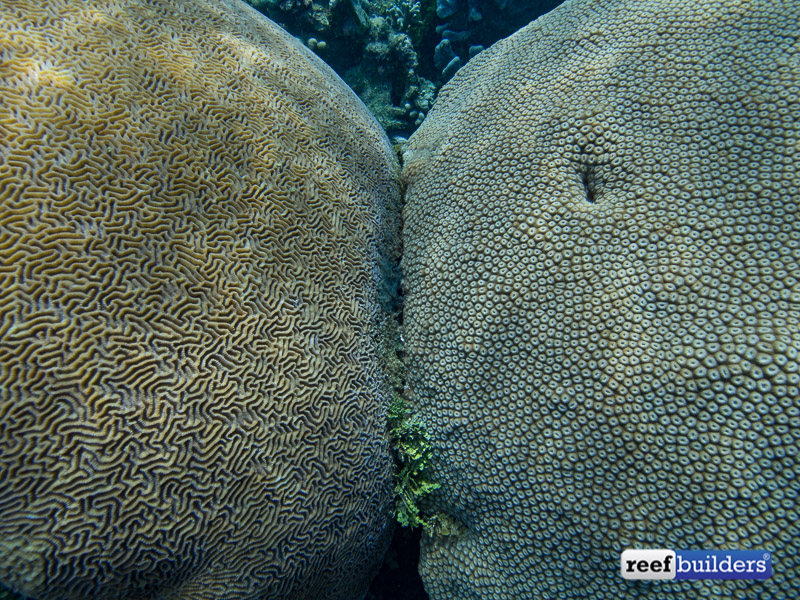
(587, 188)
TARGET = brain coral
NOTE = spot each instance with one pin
(194, 212)
(603, 299)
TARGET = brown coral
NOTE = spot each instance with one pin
(193, 211)
(603, 310)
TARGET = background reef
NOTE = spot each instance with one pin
(397, 54)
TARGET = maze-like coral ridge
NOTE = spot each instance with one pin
(193, 211)
(603, 300)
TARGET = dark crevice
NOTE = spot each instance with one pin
(587, 187)
(399, 578)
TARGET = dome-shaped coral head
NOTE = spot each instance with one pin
(193, 213)
(603, 299)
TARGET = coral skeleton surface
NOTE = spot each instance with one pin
(602, 321)
(194, 211)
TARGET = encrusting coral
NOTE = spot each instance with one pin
(602, 319)
(194, 216)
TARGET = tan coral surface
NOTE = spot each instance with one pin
(193, 212)
(603, 300)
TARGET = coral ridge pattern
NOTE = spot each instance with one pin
(194, 215)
